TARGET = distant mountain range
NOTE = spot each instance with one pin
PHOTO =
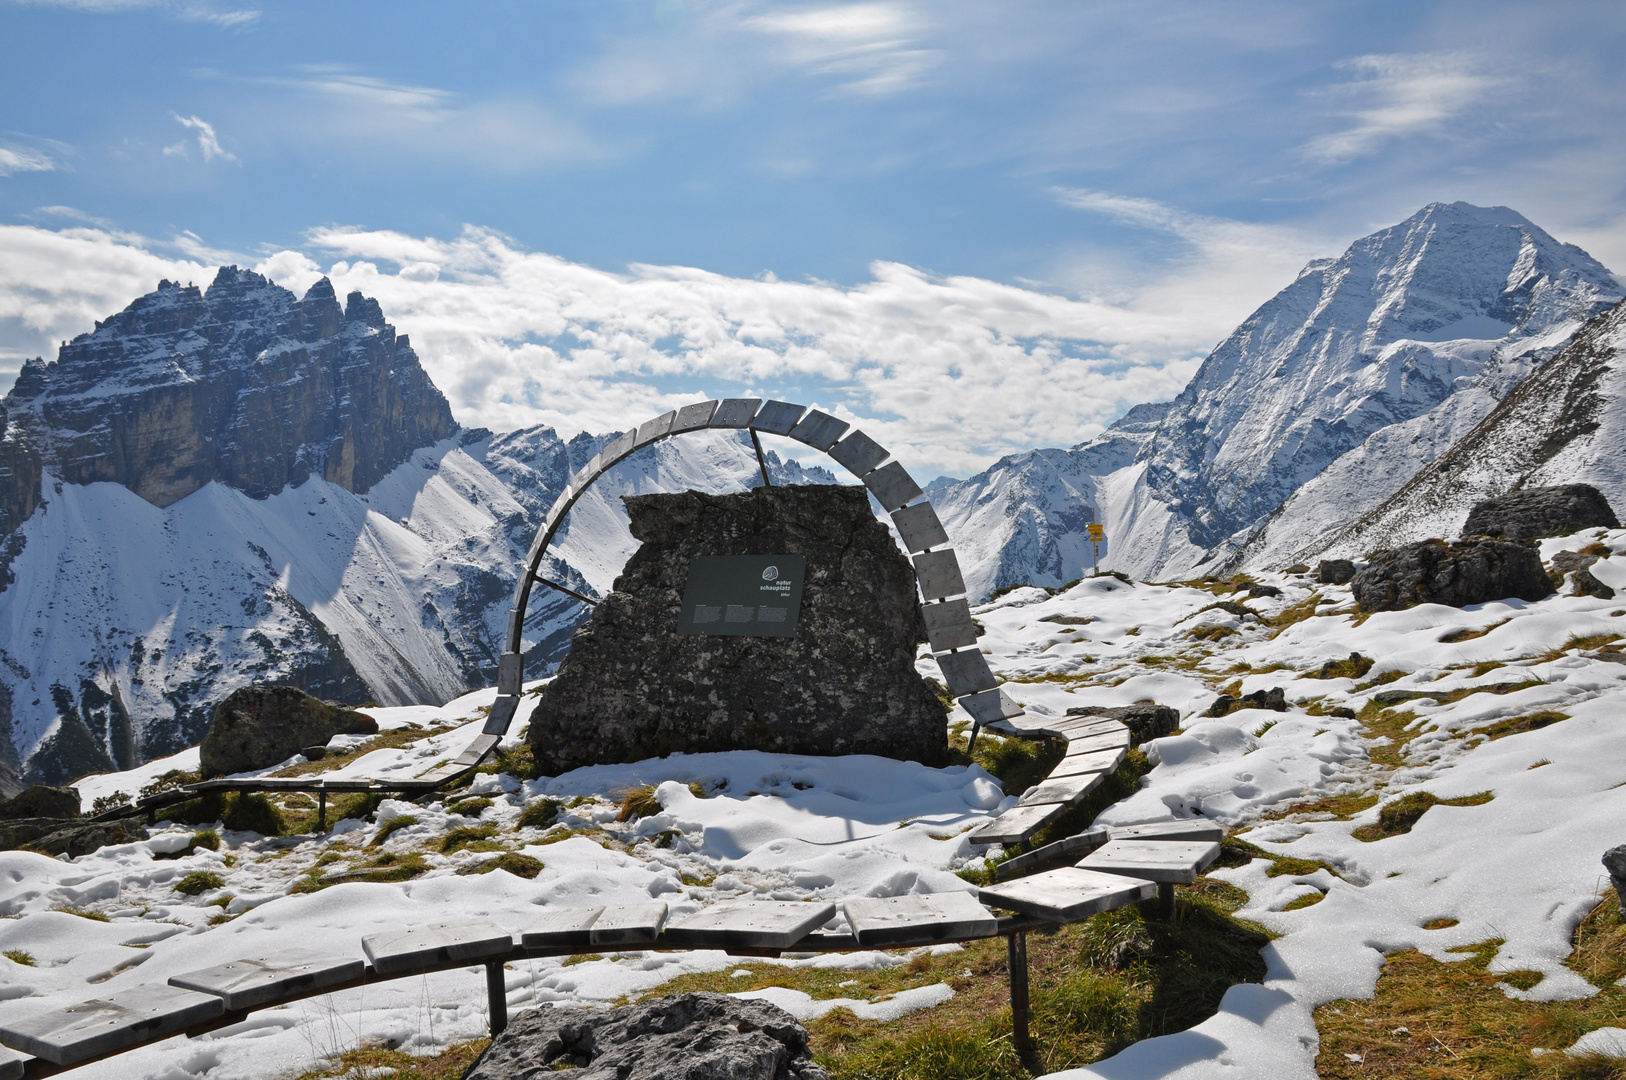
(234, 485)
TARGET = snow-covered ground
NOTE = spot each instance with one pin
(1522, 867)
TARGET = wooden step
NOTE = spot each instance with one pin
(1068, 894)
(264, 980)
(92, 1029)
(890, 921)
(748, 924)
(419, 947)
(1017, 824)
(1174, 862)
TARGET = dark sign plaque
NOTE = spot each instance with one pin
(743, 595)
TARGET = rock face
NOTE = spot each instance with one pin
(259, 726)
(40, 801)
(244, 384)
(632, 688)
(1434, 572)
(701, 1036)
(1335, 572)
(1537, 512)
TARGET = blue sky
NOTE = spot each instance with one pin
(1086, 196)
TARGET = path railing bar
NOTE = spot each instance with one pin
(588, 600)
(762, 462)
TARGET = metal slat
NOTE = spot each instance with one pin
(892, 486)
(734, 412)
(938, 573)
(966, 672)
(819, 430)
(920, 527)
(693, 417)
(949, 625)
(858, 453)
(778, 417)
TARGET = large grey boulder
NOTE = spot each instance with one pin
(258, 726)
(700, 1036)
(1614, 861)
(41, 801)
(1335, 572)
(1537, 512)
(631, 687)
(1435, 572)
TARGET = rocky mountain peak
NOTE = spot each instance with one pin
(243, 383)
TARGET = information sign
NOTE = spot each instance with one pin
(743, 595)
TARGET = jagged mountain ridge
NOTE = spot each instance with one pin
(1327, 399)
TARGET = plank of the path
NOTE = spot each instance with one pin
(1105, 740)
(1175, 862)
(1017, 823)
(1068, 893)
(1063, 789)
(1069, 849)
(1104, 761)
(262, 980)
(424, 946)
(12, 1064)
(628, 924)
(561, 928)
(882, 921)
(92, 1029)
(1087, 725)
(749, 924)
(1194, 829)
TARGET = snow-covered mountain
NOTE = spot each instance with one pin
(216, 503)
(1323, 403)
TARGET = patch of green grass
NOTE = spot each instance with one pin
(393, 825)
(1307, 900)
(1341, 807)
(249, 811)
(1353, 666)
(207, 839)
(1016, 763)
(639, 803)
(539, 813)
(1400, 815)
(473, 806)
(449, 1064)
(1517, 725)
(198, 881)
(18, 956)
(170, 780)
(512, 861)
(465, 836)
(1284, 866)
(83, 913)
(1294, 613)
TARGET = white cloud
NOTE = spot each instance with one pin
(16, 159)
(189, 10)
(870, 47)
(208, 143)
(1396, 96)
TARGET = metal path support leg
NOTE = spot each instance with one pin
(496, 997)
(1017, 964)
(971, 743)
(321, 811)
(1165, 900)
(762, 462)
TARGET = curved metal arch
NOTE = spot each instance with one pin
(945, 607)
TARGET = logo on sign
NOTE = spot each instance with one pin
(770, 573)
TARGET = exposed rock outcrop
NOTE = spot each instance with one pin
(1335, 572)
(42, 802)
(631, 687)
(699, 1036)
(258, 726)
(1537, 512)
(1434, 572)
(244, 384)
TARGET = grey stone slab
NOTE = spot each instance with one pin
(1194, 829)
(619, 447)
(692, 417)
(1017, 824)
(892, 486)
(735, 412)
(882, 921)
(1106, 740)
(263, 980)
(966, 672)
(949, 625)
(1096, 761)
(12, 1064)
(134, 1017)
(628, 924)
(1070, 850)
(920, 527)
(1175, 862)
(819, 430)
(749, 924)
(859, 453)
(778, 417)
(1068, 894)
(1063, 789)
(419, 947)
(510, 672)
(658, 428)
(991, 707)
(477, 749)
(561, 928)
(938, 573)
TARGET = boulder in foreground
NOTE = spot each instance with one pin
(700, 1036)
(1538, 512)
(632, 687)
(1435, 572)
(258, 726)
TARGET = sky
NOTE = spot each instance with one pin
(975, 228)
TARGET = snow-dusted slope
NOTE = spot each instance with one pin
(1563, 425)
(127, 622)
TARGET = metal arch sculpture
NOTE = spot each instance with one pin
(950, 630)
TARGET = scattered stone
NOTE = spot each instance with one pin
(314, 753)
(1587, 585)
(1221, 706)
(1435, 572)
(77, 840)
(1614, 861)
(1335, 572)
(1568, 561)
(1297, 568)
(1145, 721)
(699, 1036)
(1259, 588)
(1274, 699)
(258, 726)
(1538, 512)
(40, 801)
(1343, 712)
(631, 687)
